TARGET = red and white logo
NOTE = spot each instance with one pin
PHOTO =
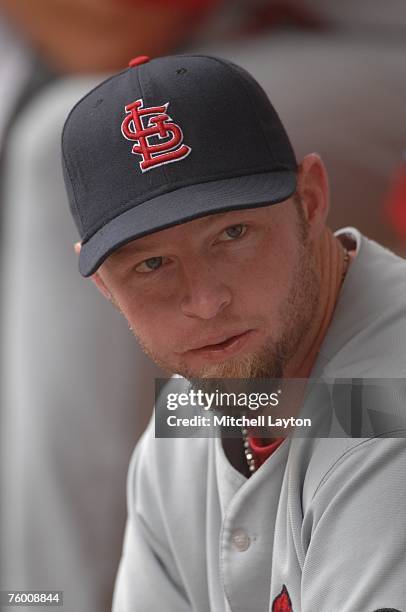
(158, 140)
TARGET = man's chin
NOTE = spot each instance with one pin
(263, 365)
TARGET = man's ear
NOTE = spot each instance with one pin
(96, 278)
(313, 188)
(101, 285)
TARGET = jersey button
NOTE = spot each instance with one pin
(240, 540)
(136, 61)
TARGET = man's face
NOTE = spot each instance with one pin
(229, 295)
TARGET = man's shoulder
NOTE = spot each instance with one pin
(169, 455)
(167, 467)
(329, 465)
(367, 334)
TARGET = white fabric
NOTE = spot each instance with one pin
(325, 517)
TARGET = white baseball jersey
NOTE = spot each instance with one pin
(319, 527)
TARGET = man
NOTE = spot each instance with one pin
(198, 224)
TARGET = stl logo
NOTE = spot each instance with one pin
(158, 140)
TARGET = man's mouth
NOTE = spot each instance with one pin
(225, 347)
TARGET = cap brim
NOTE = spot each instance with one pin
(183, 205)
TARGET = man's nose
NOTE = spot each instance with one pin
(205, 296)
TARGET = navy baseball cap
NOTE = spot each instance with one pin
(166, 141)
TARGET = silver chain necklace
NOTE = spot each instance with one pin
(249, 455)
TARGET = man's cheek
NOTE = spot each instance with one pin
(157, 339)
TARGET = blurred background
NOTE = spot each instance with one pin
(75, 389)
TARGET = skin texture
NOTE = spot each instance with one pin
(272, 274)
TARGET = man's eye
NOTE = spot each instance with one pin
(234, 231)
(149, 265)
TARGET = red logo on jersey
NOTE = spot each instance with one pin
(158, 140)
(282, 602)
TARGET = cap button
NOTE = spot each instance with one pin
(140, 59)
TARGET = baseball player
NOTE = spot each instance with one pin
(198, 223)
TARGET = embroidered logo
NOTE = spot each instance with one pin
(158, 140)
(282, 602)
